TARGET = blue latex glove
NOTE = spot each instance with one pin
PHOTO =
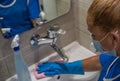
(55, 68)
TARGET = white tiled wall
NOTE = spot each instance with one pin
(82, 34)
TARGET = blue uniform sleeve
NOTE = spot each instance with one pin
(34, 9)
(110, 68)
(106, 60)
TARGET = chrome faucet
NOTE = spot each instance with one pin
(51, 38)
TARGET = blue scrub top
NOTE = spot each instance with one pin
(111, 68)
(19, 16)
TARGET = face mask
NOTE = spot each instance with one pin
(96, 47)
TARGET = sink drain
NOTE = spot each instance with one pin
(58, 77)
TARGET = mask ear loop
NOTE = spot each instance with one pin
(104, 37)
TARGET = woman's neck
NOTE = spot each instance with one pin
(118, 53)
(118, 50)
(118, 47)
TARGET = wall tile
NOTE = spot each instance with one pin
(82, 34)
(5, 47)
(84, 39)
(82, 15)
(66, 39)
(3, 70)
(10, 64)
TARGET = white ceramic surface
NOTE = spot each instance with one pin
(75, 52)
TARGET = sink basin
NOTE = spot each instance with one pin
(74, 51)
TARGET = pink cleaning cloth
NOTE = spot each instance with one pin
(41, 75)
(38, 76)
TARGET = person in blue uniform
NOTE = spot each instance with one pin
(18, 15)
(103, 21)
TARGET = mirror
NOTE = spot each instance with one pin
(52, 9)
(15, 19)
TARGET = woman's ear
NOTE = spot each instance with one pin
(116, 37)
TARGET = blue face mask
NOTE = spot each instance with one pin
(98, 48)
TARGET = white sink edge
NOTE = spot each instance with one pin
(67, 48)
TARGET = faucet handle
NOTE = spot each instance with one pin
(34, 38)
(57, 29)
(54, 31)
(54, 28)
(61, 31)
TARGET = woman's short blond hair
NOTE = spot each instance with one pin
(106, 13)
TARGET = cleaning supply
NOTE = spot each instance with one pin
(38, 76)
(56, 68)
(20, 65)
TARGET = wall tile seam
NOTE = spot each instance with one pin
(9, 73)
(76, 12)
(7, 70)
(3, 58)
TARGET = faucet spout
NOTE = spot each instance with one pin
(61, 54)
(37, 40)
(50, 39)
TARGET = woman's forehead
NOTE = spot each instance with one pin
(90, 22)
(91, 27)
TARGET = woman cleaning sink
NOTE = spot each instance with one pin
(103, 22)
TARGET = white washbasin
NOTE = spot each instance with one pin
(74, 51)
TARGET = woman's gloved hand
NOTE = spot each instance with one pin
(55, 68)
